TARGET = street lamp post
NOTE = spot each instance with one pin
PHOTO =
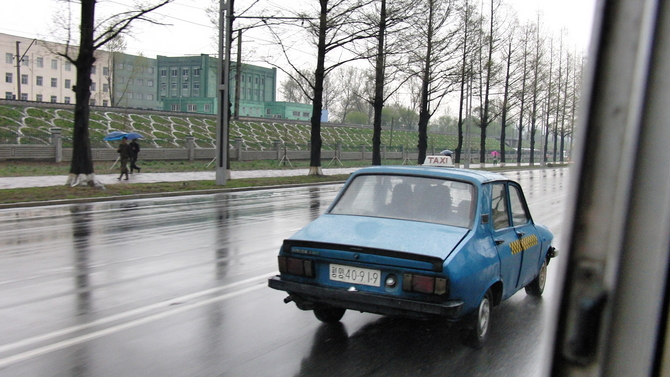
(225, 21)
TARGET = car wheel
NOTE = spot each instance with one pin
(536, 287)
(329, 314)
(477, 335)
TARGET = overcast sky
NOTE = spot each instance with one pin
(192, 33)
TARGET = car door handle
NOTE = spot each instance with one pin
(520, 234)
(499, 242)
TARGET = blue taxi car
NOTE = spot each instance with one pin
(420, 242)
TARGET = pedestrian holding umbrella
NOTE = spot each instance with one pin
(124, 155)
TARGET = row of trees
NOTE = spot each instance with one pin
(427, 54)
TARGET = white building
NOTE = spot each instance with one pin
(45, 76)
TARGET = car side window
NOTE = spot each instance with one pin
(499, 211)
(519, 213)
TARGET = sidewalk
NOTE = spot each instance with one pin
(109, 179)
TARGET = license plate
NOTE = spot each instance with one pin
(356, 275)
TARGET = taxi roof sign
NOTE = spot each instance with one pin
(438, 161)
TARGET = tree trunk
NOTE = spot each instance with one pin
(424, 113)
(317, 103)
(379, 90)
(82, 159)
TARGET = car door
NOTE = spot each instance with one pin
(505, 238)
(527, 233)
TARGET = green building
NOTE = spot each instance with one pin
(189, 84)
(133, 83)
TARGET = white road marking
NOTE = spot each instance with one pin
(94, 335)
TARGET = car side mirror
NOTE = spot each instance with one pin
(485, 218)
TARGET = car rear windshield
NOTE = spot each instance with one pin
(432, 200)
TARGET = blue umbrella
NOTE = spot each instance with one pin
(134, 135)
(116, 135)
(446, 152)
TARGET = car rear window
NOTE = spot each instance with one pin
(432, 200)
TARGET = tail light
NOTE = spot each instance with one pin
(424, 284)
(294, 266)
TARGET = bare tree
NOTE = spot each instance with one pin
(489, 76)
(94, 34)
(430, 61)
(390, 23)
(335, 27)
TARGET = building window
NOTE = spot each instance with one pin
(39, 80)
(66, 100)
(150, 97)
(121, 66)
(196, 72)
(296, 113)
(68, 83)
(173, 86)
(305, 114)
(175, 107)
(139, 96)
(93, 69)
(196, 85)
(105, 71)
(54, 64)
(140, 82)
(192, 107)
(163, 87)
(249, 79)
(129, 66)
(174, 72)
(150, 83)
(68, 66)
(105, 88)
(130, 81)
(24, 96)
(122, 80)
(24, 79)
(54, 82)
(9, 95)
(163, 72)
(262, 81)
(38, 98)
(92, 102)
(130, 95)
(184, 85)
(8, 77)
(184, 72)
(267, 112)
(25, 61)
(9, 58)
(150, 70)
(54, 99)
(40, 63)
(105, 103)
(208, 108)
(93, 87)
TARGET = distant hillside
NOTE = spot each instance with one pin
(31, 123)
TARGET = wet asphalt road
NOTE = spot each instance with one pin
(178, 287)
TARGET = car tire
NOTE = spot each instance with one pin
(536, 287)
(478, 332)
(329, 314)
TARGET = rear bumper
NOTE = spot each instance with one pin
(308, 296)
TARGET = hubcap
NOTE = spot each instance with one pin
(484, 317)
(543, 275)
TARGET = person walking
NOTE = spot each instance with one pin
(124, 154)
(134, 151)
